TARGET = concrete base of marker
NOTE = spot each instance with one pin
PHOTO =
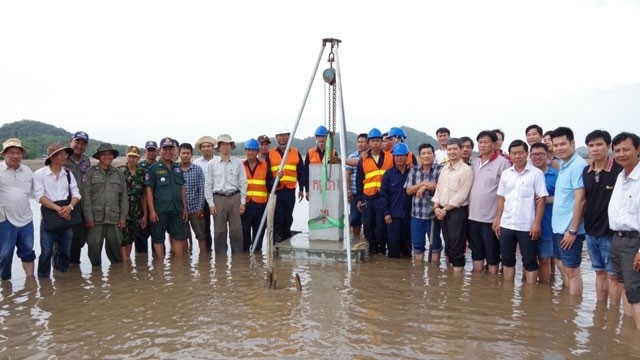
(300, 246)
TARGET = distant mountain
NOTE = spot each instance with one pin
(414, 139)
(36, 136)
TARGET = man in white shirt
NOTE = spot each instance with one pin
(624, 219)
(226, 193)
(442, 134)
(16, 219)
(206, 144)
(521, 200)
(52, 184)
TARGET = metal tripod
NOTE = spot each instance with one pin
(335, 43)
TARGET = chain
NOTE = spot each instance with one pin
(333, 118)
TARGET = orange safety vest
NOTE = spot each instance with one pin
(409, 157)
(314, 155)
(373, 174)
(290, 176)
(256, 182)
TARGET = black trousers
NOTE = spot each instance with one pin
(454, 232)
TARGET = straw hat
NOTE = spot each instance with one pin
(133, 151)
(55, 148)
(12, 142)
(206, 139)
(225, 138)
(105, 147)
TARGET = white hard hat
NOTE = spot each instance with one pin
(284, 130)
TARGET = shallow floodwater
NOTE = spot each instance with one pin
(220, 307)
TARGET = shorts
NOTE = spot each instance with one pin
(510, 240)
(168, 222)
(572, 257)
(198, 225)
(545, 248)
(355, 216)
(599, 248)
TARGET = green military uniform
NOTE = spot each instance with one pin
(106, 204)
(166, 184)
(78, 169)
(135, 190)
(145, 164)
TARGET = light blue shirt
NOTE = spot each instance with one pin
(569, 180)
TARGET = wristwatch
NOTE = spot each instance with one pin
(573, 232)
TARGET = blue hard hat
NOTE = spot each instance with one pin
(400, 149)
(321, 131)
(374, 133)
(252, 144)
(397, 132)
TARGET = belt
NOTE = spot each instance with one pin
(628, 234)
(227, 193)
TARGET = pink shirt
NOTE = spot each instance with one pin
(482, 197)
(453, 185)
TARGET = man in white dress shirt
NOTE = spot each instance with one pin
(226, 192)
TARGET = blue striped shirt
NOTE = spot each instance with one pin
(422, 208)
(353, 155)
(194, 187)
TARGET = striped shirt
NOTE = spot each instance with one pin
(353, 155)
(422, 208)
(194, 187)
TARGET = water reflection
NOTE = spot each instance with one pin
(220, 307)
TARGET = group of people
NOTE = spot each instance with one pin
(167, 192)
(540, 196)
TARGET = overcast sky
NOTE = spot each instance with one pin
(129, 71)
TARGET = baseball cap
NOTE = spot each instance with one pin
(151, 145)
(81, 135)
(165, 142)
(263, 138)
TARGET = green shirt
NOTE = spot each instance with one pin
(166, 184)
(105, 192)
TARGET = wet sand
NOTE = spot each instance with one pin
(220, 307)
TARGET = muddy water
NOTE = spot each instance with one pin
(208, 307)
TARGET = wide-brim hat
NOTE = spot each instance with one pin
(55, 148)
(206, 139)
(105, 147)
(12, 142)
(225, 138)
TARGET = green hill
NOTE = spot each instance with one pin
(36, 136)
(414, 139)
